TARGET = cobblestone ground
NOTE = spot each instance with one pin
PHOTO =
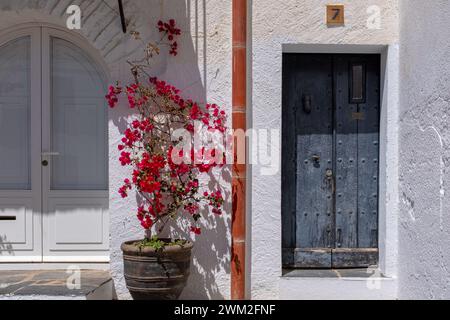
(51, 283)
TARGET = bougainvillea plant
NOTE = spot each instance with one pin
(165, 168)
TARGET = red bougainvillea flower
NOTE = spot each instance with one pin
(111, 97)
(191, 208)
(125, 158)
(170, 30)
(195, 112)
(163, 173)
(124, 189)
(196, 230)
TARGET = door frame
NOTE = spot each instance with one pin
(39, 33)
(388, 155)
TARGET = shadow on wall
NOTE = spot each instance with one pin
(211, 253)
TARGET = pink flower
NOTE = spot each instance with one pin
(170, 30)
(111, 97)
(124, 189)
(125, 158)
(167, 189)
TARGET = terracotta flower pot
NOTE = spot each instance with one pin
(156, 274)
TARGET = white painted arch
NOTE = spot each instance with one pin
(21, 29)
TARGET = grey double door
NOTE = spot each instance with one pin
(330, 160)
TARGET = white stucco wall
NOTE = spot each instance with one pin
(202, 70)
(276, 24)
(424, 233)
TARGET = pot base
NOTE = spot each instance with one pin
(156, 275)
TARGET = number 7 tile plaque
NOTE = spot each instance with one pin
(335, 14)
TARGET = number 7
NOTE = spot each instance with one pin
(336, 13)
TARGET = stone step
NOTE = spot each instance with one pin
(70, 284)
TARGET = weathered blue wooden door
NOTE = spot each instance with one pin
(330, 160)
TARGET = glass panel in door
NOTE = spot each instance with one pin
(15, 146)
(78, 121)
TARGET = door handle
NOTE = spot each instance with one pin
(307, 103)
(330, 178)
(339, 237)
(50, 154)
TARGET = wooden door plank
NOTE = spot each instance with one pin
(346, 153)
(314, 204)
(368, 154)
(354, 257)
(312, 258)
(308, 258)
(288, 154)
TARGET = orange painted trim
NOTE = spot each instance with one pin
(239, 101)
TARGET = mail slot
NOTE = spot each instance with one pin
(7, 218)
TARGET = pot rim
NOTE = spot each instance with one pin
(130, 246)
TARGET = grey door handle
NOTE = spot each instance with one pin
(50, 154)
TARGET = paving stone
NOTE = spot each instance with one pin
(50, 282)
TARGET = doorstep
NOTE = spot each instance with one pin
(331, 273)
(342, 284)
(55, 285)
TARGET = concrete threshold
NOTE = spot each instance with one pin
(337, 284)
(332, 273)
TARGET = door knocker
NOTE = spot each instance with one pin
(307, 103)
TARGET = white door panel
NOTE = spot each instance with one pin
(75, 184)
(76, 224)
(16, 222)
(20, 138)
